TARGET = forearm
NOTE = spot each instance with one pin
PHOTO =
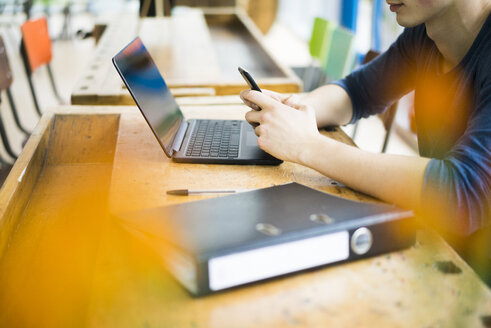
(331, 103)
(391, 178)
(289, 132)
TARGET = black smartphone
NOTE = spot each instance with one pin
(248, 78)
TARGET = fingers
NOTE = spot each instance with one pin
(252, 105)
(247, 102)
(280, 96)
(275, 95)
(258, 130)
(287, 99)
(308, 109)
(292, 101)
(253, 117)
(260, 99)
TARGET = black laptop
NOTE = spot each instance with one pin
(192, 141)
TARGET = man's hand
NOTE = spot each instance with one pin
(286, 128)
(284, 99)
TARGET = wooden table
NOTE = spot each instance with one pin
(67, 261)
(198, 54)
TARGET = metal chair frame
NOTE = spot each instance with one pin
(5, 141)
(29, 70)
(387, 117)
(6, 80)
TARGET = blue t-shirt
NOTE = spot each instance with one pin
(453, 118)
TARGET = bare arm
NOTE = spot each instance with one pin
(392, 178)
(331, 103)
(289, 132)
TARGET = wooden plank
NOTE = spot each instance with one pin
(192, 92)
(56, 140)
(17, 188)
(83, 139)
(45, 274)
(147, 187)
(221, 100)
(59, 202)
(181, 46)
(100, 82)
(190, 52)
(227, 24)
(402, 289)
(70, 262)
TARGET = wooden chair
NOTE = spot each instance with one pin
(36, 52)
(6, 80)
(387, 117)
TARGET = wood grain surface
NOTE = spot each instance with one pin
(68, 261)
(193, 51)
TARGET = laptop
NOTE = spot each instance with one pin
(185, 141)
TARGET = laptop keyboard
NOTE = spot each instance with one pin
(212, 138)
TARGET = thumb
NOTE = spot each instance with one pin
(309, 110)
(275, 95)
(292, 101)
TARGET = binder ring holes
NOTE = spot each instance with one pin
(268, 229)
(321, 218)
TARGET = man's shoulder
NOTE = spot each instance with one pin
(478, 59)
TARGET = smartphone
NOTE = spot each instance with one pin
(248, 78)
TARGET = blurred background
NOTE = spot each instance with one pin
(290, 28)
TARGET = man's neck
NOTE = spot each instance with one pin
(455, 29)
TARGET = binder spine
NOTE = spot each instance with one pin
(274, 260)
(237, 269)
(388, 236)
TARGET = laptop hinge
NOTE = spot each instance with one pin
(176, 145)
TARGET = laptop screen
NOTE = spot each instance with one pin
(151, 94)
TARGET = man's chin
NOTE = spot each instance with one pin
(404, 22)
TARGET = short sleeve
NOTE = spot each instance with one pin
(375, 86)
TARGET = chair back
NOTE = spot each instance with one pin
(36, 43)
(319, 37)
(369, 56)
(5, 72)
(340, 54)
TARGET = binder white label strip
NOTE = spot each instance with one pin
(240, 268)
